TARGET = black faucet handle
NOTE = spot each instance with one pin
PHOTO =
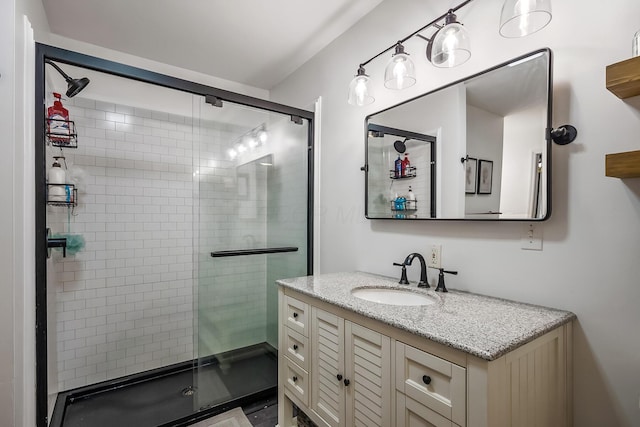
(403, 276)
(441, 286)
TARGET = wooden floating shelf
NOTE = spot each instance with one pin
(623, 78)
(623, 165)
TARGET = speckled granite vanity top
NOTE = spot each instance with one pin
(479, 325)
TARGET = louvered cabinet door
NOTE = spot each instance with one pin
(327, 367)
(368, 370)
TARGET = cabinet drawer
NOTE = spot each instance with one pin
(410, 413)
(296, 381)
(431, 381)
(296, 348)
(296, 315)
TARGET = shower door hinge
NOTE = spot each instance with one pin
(213, 100)
(296, 119)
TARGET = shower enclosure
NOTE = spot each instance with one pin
(184, 203)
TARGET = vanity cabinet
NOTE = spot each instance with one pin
(429, 390)
(294, 342)
(345, 369)
(350, 379)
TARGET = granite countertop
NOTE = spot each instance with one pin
(483, 326)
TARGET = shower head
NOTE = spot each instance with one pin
(74, 86)
(400, 146)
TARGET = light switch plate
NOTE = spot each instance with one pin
(532, 237)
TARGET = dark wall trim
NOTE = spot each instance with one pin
(40, 244)
(134, 73)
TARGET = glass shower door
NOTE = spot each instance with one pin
(251, 168)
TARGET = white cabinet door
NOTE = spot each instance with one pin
(368, 370)
(327, 367)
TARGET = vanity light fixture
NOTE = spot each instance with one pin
(449, 46)
(262, 134)
(248, 141)
(520, 18)
(360, 92)
(400, 72)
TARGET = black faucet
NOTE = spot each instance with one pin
(441, 287)
(403, 276)
(423, 283)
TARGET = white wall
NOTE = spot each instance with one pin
(17, 357)
(484, 142)
(522, 141)
(7, 233)
(589, 262)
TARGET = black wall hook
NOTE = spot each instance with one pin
(564, 134)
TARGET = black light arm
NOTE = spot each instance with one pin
(433, 23)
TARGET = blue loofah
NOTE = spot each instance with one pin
(75, 242)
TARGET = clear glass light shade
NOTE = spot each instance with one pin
(520, 18)
(400, 72)
(263, 136)
(360, 91)
(450, 46)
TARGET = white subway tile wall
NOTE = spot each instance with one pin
(125, 303)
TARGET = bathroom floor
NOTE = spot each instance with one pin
(162, 400)
(264, 413)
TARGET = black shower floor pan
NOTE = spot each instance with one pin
(167, 397)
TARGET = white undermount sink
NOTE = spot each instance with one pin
(391, 296)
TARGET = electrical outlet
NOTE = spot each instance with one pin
(435, 259)
(532, 237)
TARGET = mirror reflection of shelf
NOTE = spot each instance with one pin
(410, 172)
(61, 133)
(404, 206)
(62, 195)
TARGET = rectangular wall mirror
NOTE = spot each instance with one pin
(477, 149)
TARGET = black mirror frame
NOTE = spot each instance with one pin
(548, 140)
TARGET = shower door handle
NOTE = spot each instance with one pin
(256, 251)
